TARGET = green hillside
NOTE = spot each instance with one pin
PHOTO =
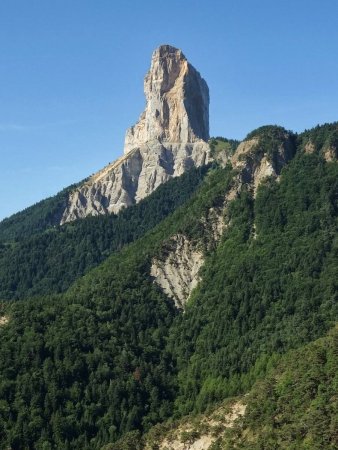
(269, 286)
(97, 355)
(36, 218)
(113, 354)
(294, 407)
(49, 261)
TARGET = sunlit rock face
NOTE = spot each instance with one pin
(169, 138)
(177, 109)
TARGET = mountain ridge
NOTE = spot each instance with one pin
(320, 138)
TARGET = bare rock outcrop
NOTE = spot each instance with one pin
(327, 149)
(201, 432)
(177, 109)
(176, 270)
(330, 153)
(169, 138)
(255, 164)
(4, 320)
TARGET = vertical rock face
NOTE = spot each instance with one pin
(169, 138)
(177, 109)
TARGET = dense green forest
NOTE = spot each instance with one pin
(112, 354)
(321, 136)
(49, 261)
(39, 217)
(269, 286)
(96, 356)
(294, 407)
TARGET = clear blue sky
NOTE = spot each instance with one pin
(71, 76)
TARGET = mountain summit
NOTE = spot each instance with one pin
(177, 109)
(169, 138)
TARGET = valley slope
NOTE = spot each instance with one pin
(115, 354)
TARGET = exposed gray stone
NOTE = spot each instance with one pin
(176, 271)
(169, 138)
(177, 109)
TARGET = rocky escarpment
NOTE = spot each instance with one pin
(176, 269)
(323, 140)
(169, 138)
(329, 152)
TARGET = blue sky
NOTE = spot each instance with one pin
(71, 76)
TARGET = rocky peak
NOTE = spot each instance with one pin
(169, 138)
(177, 102)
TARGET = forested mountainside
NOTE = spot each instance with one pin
(39, 217)
(39, 263)
(294, 407)
(269, 286)
(322, 138)
(114, 354)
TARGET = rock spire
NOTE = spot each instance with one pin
(177, 109)
(169, 138)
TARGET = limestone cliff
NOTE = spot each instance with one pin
(177, 109)
(169, 138)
